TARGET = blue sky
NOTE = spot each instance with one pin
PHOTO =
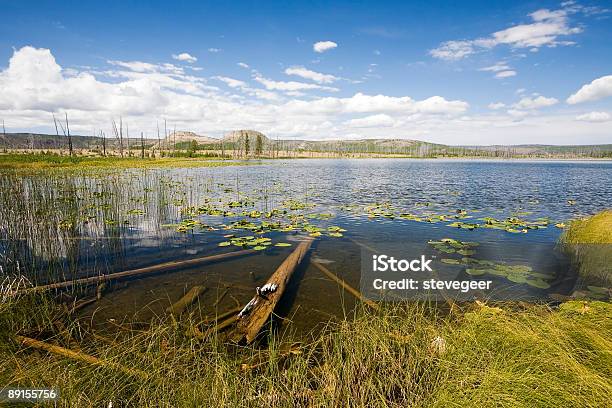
(451, 72)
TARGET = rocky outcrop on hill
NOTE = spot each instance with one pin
(185, 136)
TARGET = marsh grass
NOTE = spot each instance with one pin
(589, 240)
(48, 161)
(408, 355)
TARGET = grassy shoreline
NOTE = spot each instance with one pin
(44, 161)
(409, 354)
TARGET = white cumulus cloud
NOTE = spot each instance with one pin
(322, 46)
(289, 86)
(231, 82)
(594, 117)
(185, 57)
(535, 103)
(598, 89)
(34, 85)
(312, 75)
(546, 29)
(380, 120)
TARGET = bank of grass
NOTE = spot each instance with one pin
(589, 241)
(408, 355)
(50, 161)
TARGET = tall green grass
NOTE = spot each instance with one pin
(408, 355)
(589, 241)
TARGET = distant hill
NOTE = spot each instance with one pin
(238, 135)
(258, 143)
(181, 137)
(184, 136)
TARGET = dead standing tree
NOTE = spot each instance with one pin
(158, 141)
(103, 136)
(69, 137)
(65, 131)
(127, 137)
(121, 136)
(165, 135)
(118, 135)
(141, 146)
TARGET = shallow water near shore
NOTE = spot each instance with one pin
(98, 222)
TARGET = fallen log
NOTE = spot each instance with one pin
(262, 305)
(76, 355)
(222, 316)
(183, 303)
(135, 272)
(346, 286)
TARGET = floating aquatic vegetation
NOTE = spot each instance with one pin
(512, 224)
(187, 225)
(296, 205)
(257, 244)
(476, 267)
(449, 245)
(380, 210)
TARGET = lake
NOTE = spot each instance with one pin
(476, 219)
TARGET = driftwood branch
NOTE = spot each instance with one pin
(346, 286)
(183, 303)
(135, 272)
(77, 355)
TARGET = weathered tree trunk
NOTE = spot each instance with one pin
(249, 326)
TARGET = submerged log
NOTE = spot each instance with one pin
(222, 315)
(220, 298)
(262, 305)
(76, 355)
(83, 303)
(135, 272)
(346, 286)
(183, 303)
